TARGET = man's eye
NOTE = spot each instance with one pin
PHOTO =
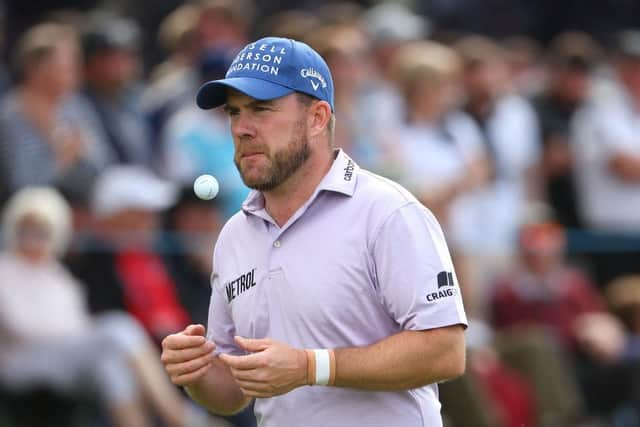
(259, 108)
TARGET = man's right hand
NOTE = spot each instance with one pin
(187, 355)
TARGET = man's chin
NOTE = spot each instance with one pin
(255, 182)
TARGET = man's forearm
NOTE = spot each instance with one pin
(409, 359)
(218, 392)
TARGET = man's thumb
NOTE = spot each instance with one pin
(195, 330)
(252, 345)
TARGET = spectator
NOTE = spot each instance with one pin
(177, 36)
(174, 81)
(121, 268)
(571, 59)
(44, 138)
(192, 227)
(111, 71)
(292, 24)
(605, 140)
(542, 291)
(439, 149)
(48, 336)
(510, 134)
(363, 129)
(225, 24)
(195, 142)
(390, 25)
(623, 296)
(525, 72)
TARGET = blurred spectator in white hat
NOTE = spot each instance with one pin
(121, 266)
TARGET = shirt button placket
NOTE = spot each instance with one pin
(277, 244)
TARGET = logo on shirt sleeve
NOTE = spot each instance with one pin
(446, 287)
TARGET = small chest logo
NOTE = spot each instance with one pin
(240, 285)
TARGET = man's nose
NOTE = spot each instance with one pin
(242, 126)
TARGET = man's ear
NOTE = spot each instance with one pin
(318, 117)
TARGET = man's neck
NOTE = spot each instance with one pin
(285, 200)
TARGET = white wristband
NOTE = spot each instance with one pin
(323, 367)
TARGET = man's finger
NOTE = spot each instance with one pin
(250, 361)
(177, 369)
(248, 374)
(187, 379)
(181, 341)
(187, 354)
(195, 330)
(252, 345)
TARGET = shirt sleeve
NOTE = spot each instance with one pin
(221, 328)
(415, 277)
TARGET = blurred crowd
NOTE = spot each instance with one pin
(526, 152)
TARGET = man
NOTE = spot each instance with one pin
(573, 57)
(604, 138)
(111, 70)
(323, 255)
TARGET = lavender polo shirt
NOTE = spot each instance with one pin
(360, 261)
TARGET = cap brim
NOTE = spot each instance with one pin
(213, 94)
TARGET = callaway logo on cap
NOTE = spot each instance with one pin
(270, 68)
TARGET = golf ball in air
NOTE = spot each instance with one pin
(206, 187)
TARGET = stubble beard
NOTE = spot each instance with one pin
(284, 163)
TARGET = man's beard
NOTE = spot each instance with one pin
(284, 163)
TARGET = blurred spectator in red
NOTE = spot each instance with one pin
(571, 59)
(192, 226)
(511, 137)
(48, 337)
(44, 137)
(607, 159)
(111, 70)
(543, 292)
(364, 128)
(121, 268)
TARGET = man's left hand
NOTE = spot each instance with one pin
(272, 368)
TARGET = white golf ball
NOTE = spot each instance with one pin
(206, 187)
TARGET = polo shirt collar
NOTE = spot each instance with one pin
(341, 178)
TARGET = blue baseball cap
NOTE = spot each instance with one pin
(270, 68)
